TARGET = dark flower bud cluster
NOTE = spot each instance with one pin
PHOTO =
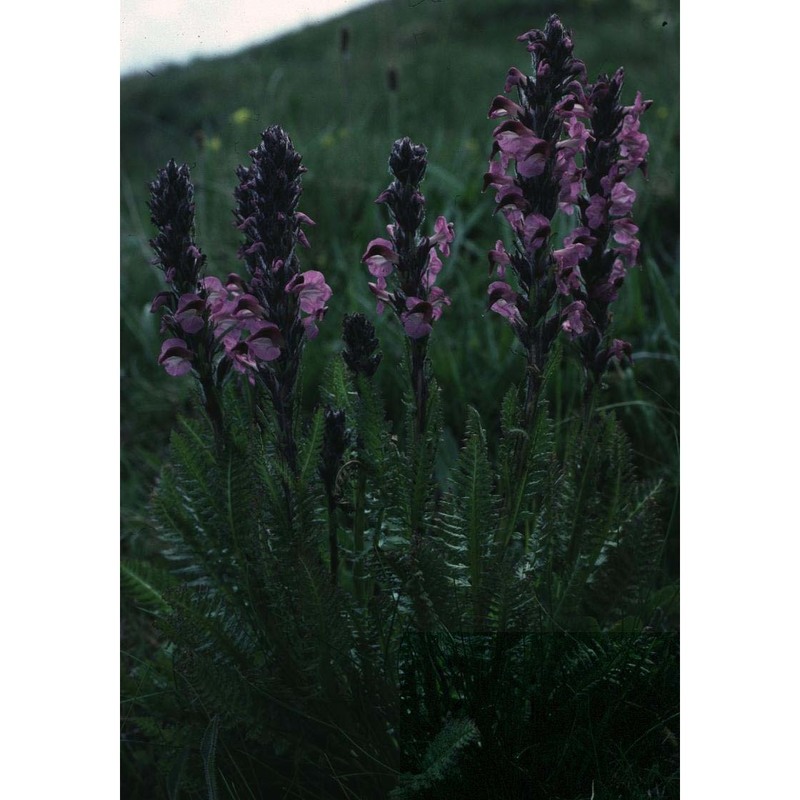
(266, 213)
(188, 343)
(407, 258)
(565, 146)
(172, 212)
(335, 441)
(360, 345)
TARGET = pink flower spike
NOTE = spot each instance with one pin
(175, 357)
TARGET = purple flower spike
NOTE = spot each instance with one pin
(537, 169)
(407, 260)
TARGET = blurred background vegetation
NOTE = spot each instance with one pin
(344, 91)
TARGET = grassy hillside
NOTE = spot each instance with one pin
(449, 59)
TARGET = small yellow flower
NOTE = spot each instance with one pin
(214, 144)
(241, 116)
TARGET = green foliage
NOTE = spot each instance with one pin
(497, 608)
(439, 760)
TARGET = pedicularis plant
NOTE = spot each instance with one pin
(337, 623)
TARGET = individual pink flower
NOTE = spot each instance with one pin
(502, 106)
(433, 268)
(621, 350)
(175, 357)
(515, 78)
(597, 212)
(606, 290)
(499, 259)
(622, 197)
(504, 300)
(264, 342)
(496, 176)
(303, 219)
(161, 299)
(535, 231)
(575, 319)
(311, 290)
(312, 293)
(624, 230)
(442, 236)
(568, 274)
(417, 319)
(380, 257)
(516, 140)
(419, 316)
(189, 314)
(379, 290)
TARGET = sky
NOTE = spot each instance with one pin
(156, 32)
